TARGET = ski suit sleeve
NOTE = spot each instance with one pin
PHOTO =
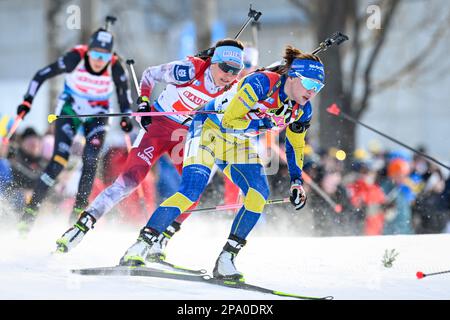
(295, 142)
(176, 72)
(120, 78)
(253, 89)
(63, 64)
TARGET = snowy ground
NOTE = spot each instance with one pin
(345, 267)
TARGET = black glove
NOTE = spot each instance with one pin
(297, 194)
(126, 124)
(143, 106)
(269, 123)
(25, 106)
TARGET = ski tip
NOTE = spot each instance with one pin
(84, 272)
(56, 253)
(420, 275)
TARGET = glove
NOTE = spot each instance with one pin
(126, 124)
(268, 123)
(143, 106)
(297, 194)
(25, 106)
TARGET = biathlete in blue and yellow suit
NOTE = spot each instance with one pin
(267, 100)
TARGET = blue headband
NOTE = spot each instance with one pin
(307, 68)
(228, 54)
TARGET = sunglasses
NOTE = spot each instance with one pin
(97, 55)
(310, 84)
(229, 69)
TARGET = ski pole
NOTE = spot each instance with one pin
(236, 206)
(421, 275)
(130, 62)
(255, 27)
(252, 14)
(13, 129)
(52, 117)
(336, 206)
(336, 111)
(308, 180)
(335, 39)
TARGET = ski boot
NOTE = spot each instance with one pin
(75, 215)
(156, 252)
(26, 221)
(75, 234)
(225, 268)
(137, 254)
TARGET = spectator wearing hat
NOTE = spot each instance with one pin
(399, 197)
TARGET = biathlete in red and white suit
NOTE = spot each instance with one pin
(190, 84)
(92, 71)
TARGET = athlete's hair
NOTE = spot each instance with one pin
(290, 54)
(208, 53)
(229, 42)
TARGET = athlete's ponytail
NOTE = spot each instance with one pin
(290, 54)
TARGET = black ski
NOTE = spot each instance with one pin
(156, 273)
(178, 268)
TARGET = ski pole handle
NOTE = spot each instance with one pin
(252, 14)
(336, 39)
(109, 21)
